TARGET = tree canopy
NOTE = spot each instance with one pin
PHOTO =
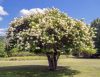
(50, 31)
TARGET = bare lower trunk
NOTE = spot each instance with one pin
(52, 60)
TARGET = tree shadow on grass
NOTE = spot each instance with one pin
(36, 71)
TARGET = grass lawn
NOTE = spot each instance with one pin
(68, 67)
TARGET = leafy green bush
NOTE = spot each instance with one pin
(87, 52)
(13, 51)
(84, 52)
(3, 53)
(22, 53)
(16, 52)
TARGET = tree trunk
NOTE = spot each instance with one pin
(52, 60)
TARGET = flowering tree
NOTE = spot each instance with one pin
(51, 32)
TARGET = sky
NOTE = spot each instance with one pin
(87, 9)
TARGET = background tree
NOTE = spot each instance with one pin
(51, 32)
(96, 25)
(2, 47)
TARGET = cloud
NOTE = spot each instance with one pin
(3, 31)
(31, 11)
(2, 11)
(24, 12)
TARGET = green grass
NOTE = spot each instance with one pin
(35, 57)
(68, 67)
(24, 58)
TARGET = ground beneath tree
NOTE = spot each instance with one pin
(39, 68)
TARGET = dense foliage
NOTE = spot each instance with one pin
(96, 24)
(51, 32)
(2, 47)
